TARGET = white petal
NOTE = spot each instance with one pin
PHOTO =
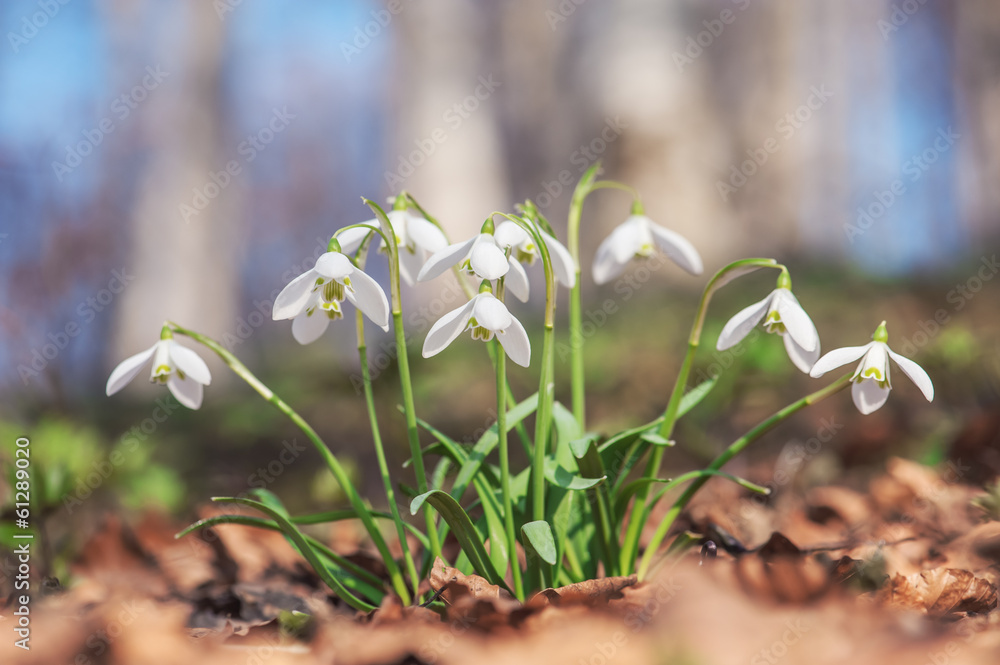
(488, 261)
(868, 395)
(562, 261)
(334, 265)
(188, 392)
(877, 357)
(916, 374)
(397, 220)
(510, 234)
(369, 297)
(490, 313)
(444, 259)
(447, 328)
(796, 321)
(630, 236)
(516, 281)
(606, 264)
(424, 234)
(410, 264)
(307, 329)
(293, 298)
(190, 363)
(677, 248)
(514, 341)
(127, 369)
(742, 323)
(836, 358)
(351, 239)
(801, 358)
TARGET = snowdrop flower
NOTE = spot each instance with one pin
(181, 369)
(638, 236)
(523, 250)
(314, 298)
(416, 237)
(871, 384)
(782, 314)
(480, 256)
(485, 316)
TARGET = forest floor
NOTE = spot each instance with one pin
(902, 568)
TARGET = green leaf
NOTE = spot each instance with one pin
(692, 397)
(366, 582)
(493, 514)
(269, 499)
(303, 546)
(539, 541)
(567, 428)
(440, 473)
(465, 532)
(566, 479)
(580, 447)
(655, 439)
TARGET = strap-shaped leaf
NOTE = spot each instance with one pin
(465, 532)
(562, 477)
(302, 545)
(692, 397)
(655, 439)
(599, 500)
(368, 583)
(567, 429)
(538, 540)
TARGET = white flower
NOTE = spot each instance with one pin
(416, 237)
(784, 316)
(180, 368)
(314, 298)
(639, 237)
(871, 384)
(480, 255)
(486, 316)
(484, 256)
(523, 250)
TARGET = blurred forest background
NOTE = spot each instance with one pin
(184, 159)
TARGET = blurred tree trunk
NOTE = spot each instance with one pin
(181, 130)
(447, 133)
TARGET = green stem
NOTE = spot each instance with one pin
(363, 511)
(511, 401)
(413, 433)
(508, 502)
(640, 510)
(577, 371)
(546, 381)
(583, 189)
(734, 449)
(383, 466)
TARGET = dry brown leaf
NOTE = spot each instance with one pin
(445, 579)
(589, 593)
(940, 591)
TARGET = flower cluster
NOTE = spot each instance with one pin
(493, 262)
